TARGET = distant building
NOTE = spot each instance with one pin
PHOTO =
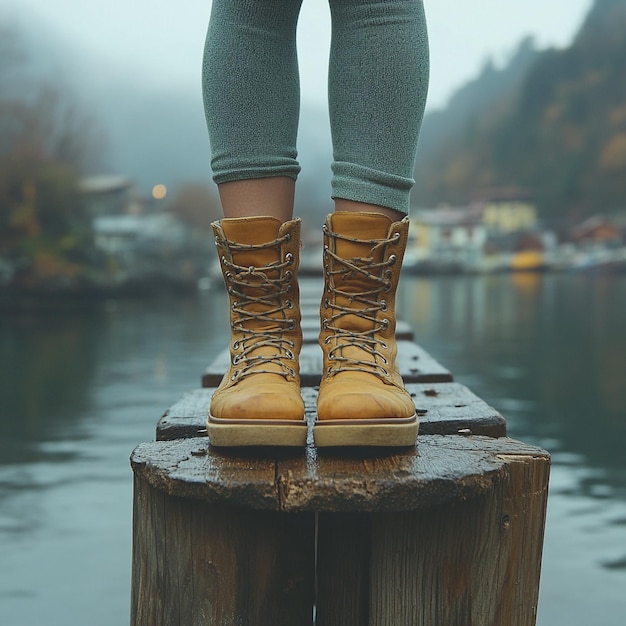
(446, 238)
(597, 231)
(126, 236)
(106, 195)
(506, 210)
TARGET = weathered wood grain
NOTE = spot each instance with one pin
(474, 561)
(311, 328)
(197, 564)
(415, 364)
(440, 469)
(444, 409)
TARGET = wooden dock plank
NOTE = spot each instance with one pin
(311, 329)
(415, 364)
(444, 409)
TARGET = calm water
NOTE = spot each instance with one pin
(79, 389)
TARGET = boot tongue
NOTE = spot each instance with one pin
(253, 231)
(257, 231)
(363, 227)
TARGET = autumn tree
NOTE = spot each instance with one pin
(46, 142)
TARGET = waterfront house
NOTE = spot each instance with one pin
(106, 195)
(446, 239)
(506, 210)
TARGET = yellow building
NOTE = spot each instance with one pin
(508, 211)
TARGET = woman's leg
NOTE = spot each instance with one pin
(377, 92)
(252, 98)
(378, 81)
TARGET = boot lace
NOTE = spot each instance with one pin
(259, 301)
(367, 304)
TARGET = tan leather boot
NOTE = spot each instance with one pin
(362, 400)
(258, 402)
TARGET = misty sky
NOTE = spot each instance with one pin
(157, 41)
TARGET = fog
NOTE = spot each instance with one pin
(136, 68)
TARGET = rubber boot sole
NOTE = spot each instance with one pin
(233, 433)
(390, 432)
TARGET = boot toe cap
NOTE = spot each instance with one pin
(344, 401)
(260, 402)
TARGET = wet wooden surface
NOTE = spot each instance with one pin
(448, 531)
(443, 409)
(415, 364)
(439, 469)
(311, 329)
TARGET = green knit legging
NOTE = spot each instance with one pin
(378, 80)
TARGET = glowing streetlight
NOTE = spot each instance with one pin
(159, 191)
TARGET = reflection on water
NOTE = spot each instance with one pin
(549, 351)
(80, 389)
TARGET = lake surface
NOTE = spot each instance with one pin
(80, 388)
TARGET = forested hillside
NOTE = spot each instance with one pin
(552, 121)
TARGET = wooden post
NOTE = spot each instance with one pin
(196, 563)
(474, 561)
(448, 532)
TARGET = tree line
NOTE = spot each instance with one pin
(552, 122)
(46, 142)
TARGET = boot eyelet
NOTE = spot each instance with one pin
(288, 237)
(235, 305)
(288, 274)
(325, 324)
(385, 324)
(384, 371)
(235, 375)
(292, 371)
(228, 275)
(383, 345)
(292, 325)
(291, 344)
(289, 288)
(392, 259)
(326, 303)
(383, 305)
(387, 286)
(289, 354)
(384, 360)
(235, 360)
(236, 345)
(396, 237)
(289, 258)
(289, 304)
(326, 341)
